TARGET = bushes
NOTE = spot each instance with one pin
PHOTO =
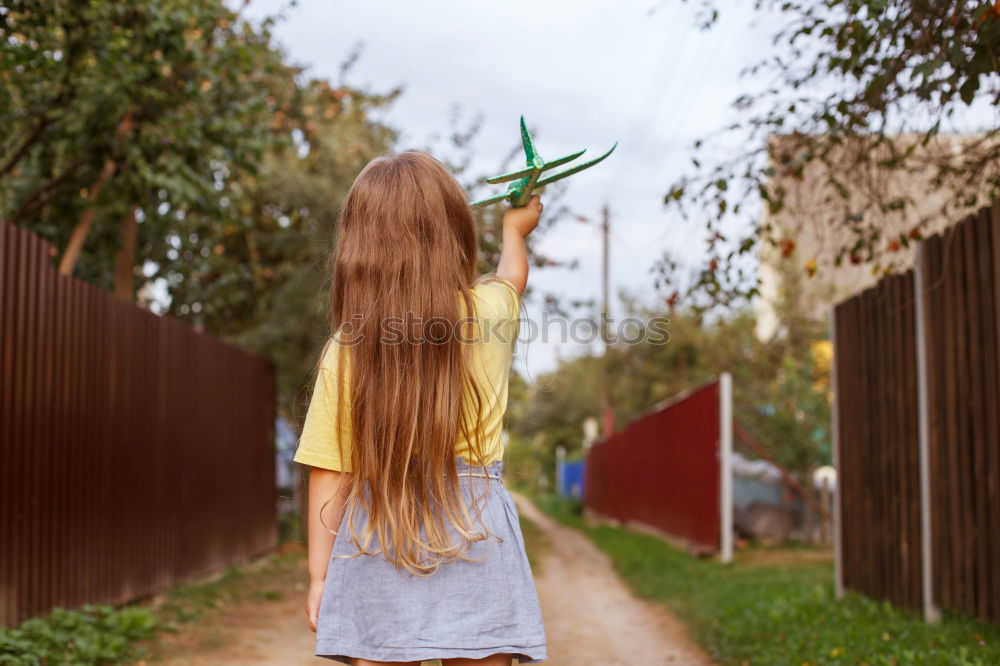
(94, 634)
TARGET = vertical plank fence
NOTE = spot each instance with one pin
(963, 303)
(878, 472)
(135, 453)
(957, 284)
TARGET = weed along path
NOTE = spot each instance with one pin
(591, 618)
(261, 632)
(268, 628)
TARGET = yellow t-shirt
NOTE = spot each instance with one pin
(497, 309)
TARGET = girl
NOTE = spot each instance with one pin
(415, 550)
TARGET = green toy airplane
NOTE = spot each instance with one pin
(525, 181)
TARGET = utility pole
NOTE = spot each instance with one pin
(607, 407)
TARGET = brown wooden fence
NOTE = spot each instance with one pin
(134, 452)
(945, 316)
(963, 311)
(877, 410)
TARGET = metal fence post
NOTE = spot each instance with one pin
(726, 466)
(838, 543)
(561, 470)
(931, 612)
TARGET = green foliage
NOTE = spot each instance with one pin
(94, 634)
(527, 462)
(567, 510)
(550, 412)
(180, 97)
(782, 611)
(263, 283)
(291, 528)
(858, 94)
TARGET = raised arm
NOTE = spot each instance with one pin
(517, 224)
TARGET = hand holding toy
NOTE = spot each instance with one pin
(525, 181)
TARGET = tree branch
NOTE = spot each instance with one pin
(34, 200)
(29, 141)
(75, 246)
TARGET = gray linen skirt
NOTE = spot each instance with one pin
(470, 609)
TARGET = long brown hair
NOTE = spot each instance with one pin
(405, 260)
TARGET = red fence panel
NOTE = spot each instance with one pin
(135, 453)
(662, 470)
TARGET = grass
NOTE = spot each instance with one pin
(780, 612)
(535, 543)
(265, 579)
(104, 634)
(198, 603)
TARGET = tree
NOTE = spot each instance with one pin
(256, 274)
(117, 115)
(864, 91)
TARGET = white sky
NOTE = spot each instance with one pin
(584, 73)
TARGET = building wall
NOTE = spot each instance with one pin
(813, 225)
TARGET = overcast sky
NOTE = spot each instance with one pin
(585, 73)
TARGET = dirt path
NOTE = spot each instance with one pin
(271, 633)
(591, 618)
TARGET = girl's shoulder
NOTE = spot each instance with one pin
(330, 354)
(495, 296)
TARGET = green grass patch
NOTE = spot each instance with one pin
(102, 634)
(265, 579)
(535, 543)
(567, 511)
(94, 634)
(780, 611)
